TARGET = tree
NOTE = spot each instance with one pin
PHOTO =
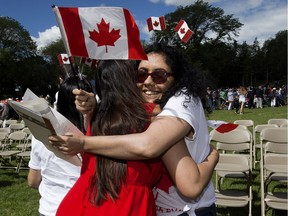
(20, 66)
(275, 51)
(208, 23)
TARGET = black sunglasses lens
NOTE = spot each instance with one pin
(159, 77)
(142, 76)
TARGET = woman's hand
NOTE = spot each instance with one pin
(85, 102)
(69, 144)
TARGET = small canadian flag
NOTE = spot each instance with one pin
(63, 59)
(183, 31)
(156, 23)
(88, 61)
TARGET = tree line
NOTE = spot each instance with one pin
(213, 48)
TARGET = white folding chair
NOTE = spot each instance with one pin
(256, 146)
(235, 161)
(273, 167)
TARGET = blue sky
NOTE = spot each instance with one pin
(261, 18)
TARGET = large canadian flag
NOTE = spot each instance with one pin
(99, 32)
(184, 32)
(156, 23)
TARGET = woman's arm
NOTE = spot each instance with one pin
(189, 177)
(34, 178)
(162, 133)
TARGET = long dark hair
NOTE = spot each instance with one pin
(121, 111)
(66, 99)
(187, 79)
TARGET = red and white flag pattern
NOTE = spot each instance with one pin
(63, 59)
(184, 32)
(90, 62)
(99, 32)
(221, 126)
(156, 23)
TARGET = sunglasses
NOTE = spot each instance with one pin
(159, 76)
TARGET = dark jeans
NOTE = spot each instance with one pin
(208, 211)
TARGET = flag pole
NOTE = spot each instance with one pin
(74, 71)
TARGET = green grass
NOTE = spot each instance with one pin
(17, 199)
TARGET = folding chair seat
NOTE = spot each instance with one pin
(26, 130)
(235, 161)
(273, 168)
(256, 146)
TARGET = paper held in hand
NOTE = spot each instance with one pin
(43, 121)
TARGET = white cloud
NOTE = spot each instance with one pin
(46, 37)
(261, 18)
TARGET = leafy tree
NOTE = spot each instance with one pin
(20, 66)
(275, 60)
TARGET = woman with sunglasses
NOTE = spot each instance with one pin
(167, 80)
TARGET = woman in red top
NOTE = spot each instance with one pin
(109, 186)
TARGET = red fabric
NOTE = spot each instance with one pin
(86, 29)
(135, 198)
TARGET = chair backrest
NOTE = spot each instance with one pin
(3, 136)
(10, 121)
(26, 130)
(247, 123)
(276, 135)
(5, 130)
(16, 126)
(260, 127)
(277, 121)
(17, 136)
(231, 137)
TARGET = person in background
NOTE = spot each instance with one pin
(242, 91)
(167, 80)
(259, 96)
(52, 176)
(230, 98)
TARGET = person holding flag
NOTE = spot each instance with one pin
(167, 80)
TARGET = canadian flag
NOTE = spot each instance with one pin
(90, 62)
(221, 126)
(99, 32)
(63, 59)
(156, 23)
(183, 31)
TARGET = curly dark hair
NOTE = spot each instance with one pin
(187, 80)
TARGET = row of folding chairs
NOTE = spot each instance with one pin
(15, 148)
(236, 161)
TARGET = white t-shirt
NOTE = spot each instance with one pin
(173, 203)
(58, 176)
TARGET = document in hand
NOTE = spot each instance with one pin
(43, 121)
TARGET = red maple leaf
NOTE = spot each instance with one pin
(104, 37)
(156, 23)
(182, 30)
(65, 59)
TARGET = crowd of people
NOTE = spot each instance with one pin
(249, 97)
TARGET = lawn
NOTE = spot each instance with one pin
(17, 199)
